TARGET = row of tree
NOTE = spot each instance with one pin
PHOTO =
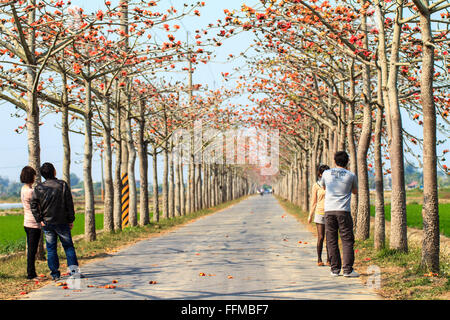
(101, 72)
(341, 76)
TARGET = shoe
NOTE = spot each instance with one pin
(329, 263)
(334, 274)
(352, 274)
(56, 277)
(320, 264)
(34, 279)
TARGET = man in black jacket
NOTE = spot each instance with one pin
(52, 207)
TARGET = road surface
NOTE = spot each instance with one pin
(247, 251)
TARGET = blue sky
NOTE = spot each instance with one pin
(13, 146)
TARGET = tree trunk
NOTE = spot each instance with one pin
(155, 186)
(208, 188)
(182, 188)
(305, 191)
(430, 211)
(131, 175)
(171, 185)
(65, 130)
(191, 196)
(144, 218)
(398, 238)
(363, 217)
(204, 198)
(341, 127)
(89, 225)
(351, 142)
(214, 186)
(108, 216)
(165, 184)
(177, 203)
(117, 170)
(379, 232)
(123, 9)
(32, 122)
(198, 190)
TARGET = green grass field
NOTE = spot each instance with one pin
(414, 216)
(12, 234)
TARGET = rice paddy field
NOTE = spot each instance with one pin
(12, 233)
(414, 216)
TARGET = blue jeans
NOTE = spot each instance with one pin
(52, 232)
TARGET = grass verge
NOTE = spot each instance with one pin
(13, 237)
(402, 277)
(13, 282)
(414, 216)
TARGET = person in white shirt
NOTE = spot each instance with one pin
(339, 184)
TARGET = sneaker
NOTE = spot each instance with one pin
(56, 278)
(334, 274)
(352, 274)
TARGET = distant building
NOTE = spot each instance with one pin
(413, 185)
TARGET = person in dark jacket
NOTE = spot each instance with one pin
(52, 207)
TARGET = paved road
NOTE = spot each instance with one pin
(248, 251)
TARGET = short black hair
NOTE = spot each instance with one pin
(27, 175)
(321, 169)
(341, 158)
(47, 171)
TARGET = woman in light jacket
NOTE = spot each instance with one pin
(317, 210)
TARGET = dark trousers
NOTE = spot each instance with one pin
(33, 237)
(340, 222)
